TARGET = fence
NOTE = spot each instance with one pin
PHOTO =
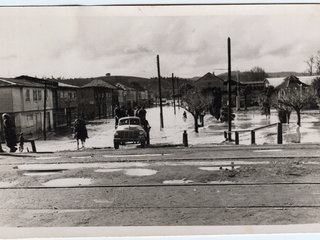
(253, 133)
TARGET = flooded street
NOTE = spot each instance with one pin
(101, 132)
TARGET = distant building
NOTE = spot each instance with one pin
(95, 99)
(127, 96)
(66, 109)
(210, 83)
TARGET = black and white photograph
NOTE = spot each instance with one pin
(153, 120)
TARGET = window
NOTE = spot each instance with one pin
(39, 95)
(28, 95)
(29, 120)
(35, 95)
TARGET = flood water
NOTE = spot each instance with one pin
(101, 135)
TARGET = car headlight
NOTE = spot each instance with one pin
(141, 132)
(116, 134)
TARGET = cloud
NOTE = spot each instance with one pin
(85, 42)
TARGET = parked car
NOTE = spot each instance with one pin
(129, 130)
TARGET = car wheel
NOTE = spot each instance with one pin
(116, 145)
(143, 144)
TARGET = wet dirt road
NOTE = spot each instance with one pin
(258, 185)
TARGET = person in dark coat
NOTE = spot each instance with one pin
(9, 132)
(117, 115)
(130, 112)
(142, 114)
(80, 131)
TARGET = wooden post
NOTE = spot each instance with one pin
(174, 98)
(185, 138)
(160, 97)
(279, 133)
(253, 137)
(33, 145)
(237, 138)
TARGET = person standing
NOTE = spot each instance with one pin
(21, 142)
(116, 115)
(142, 114)
(136, 112)
(9, 132)
(80, 131)
(130, 112)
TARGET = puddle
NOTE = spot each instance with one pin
(7, 184)
(221, 182)
(131, 172)
(108, 170)
(68, 182)
(213, 163)
(68, 166)
(48, 157)
(40, 173)
(140, 172)
(177, 181)
(217, 168)
(142, 155)
(269, 150)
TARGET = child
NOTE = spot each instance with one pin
(21, 142)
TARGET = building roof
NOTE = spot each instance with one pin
(277, 81)
(21, 82)
(209, 80)
(98, 83)
(65, 85)
(124, 87)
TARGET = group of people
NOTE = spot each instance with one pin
(122, 112)
(9, 132)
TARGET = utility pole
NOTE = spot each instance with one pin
(229, 89)
(174, 98)
(160, 97)
(178, 93)
(44, 110)
(238, 93)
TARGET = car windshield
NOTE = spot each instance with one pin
(131, 121)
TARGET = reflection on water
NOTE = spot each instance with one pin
(177, 181)
(68, 182)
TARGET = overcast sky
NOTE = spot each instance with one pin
(88, 41)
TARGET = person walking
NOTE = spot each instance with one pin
(80, 131)
(9, 132)
(21, 142)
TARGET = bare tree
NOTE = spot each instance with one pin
(265, 100)
(296, 99)
(245, 91)
(311, 63)
(316, 85)
(196, 104)
(317, 62)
